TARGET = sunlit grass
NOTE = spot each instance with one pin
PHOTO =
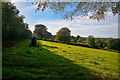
(105, 63)
(57, 60)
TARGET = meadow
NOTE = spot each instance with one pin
(57, 60)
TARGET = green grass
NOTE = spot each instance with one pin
(57, 60)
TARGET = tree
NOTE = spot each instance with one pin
(113, 43)
(98, 43)
(80, 40)
(13, 27)
(63, 35)
(77, 38)
(41, 32)
(91, 41)
(93, 10)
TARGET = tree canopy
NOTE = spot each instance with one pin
(41, 32)
(63, 35)
(73, 10)
(13, 27)
(91, 41)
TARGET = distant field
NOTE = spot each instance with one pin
(57, 60)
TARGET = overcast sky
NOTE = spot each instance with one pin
(83, 26)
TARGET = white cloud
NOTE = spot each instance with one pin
(106, 28)
(14, 1)
(82, 26)
(54, 25)
(31, 28)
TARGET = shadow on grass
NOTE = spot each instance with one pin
(41, 63)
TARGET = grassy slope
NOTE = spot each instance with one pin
(56, 60)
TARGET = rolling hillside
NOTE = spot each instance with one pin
(57, 60)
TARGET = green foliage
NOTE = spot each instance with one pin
(76, 38)
(58, 61)
(41, 32)
(64, 39)
(13, 28)
(98, 43)
(97, 10)
(110, 43)
(113, 43)
(72, 38)
(80, 40)
(63, 35)
(91, 41)
(107, 44)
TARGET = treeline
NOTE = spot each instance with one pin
(64, 36)
(90, 41)
(13, 27)
(109, 43)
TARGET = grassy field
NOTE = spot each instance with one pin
(57, 60)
